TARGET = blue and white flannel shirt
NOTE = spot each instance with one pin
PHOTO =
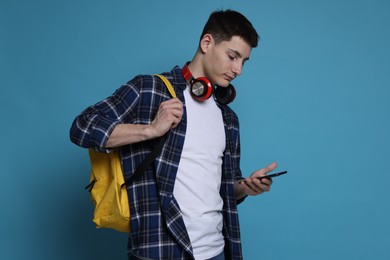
(157, 227)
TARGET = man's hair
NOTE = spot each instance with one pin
(223, 25)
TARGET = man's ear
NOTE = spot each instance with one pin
(205, 43)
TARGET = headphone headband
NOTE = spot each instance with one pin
(187, 73)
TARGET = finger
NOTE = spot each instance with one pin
(264, 184)
(270, 167)
(253, 188)
(178, 112)
(173, 101)
(175, 122)
(266, 181)
(169, 109)
(263, 171)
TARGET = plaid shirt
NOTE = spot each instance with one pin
(157, 227)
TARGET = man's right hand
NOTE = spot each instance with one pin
(168, 116)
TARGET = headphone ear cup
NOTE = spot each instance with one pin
(225, 95)
(201, 89)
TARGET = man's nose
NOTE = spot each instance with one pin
(237, 69)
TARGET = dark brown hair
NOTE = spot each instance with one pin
(223, 25)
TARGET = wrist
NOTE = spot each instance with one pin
(239, 189)
(149, 132)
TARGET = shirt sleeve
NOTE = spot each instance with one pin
(92, 127)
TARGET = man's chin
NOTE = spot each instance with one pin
(223, 84)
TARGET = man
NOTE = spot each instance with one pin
(185, 205)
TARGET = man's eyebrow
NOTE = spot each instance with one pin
(238, 54)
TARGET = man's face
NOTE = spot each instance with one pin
(224, 61)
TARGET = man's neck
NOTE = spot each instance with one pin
(196, 68)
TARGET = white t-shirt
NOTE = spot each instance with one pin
(198, 178)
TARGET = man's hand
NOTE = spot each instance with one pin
(253, 186)
(168, 116)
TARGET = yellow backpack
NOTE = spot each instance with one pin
(107, 184)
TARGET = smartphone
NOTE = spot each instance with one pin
(272, 175)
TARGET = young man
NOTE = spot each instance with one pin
(185, 205)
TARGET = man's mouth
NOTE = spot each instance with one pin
(229, 78)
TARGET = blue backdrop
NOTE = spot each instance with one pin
(314, 97)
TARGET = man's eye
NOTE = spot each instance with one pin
(232, 57)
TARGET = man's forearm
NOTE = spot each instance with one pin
(124, 134)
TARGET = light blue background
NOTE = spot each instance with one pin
(314, 97)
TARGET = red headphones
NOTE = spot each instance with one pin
(201, 88)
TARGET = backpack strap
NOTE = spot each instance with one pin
(144, 165)
(167, 84)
